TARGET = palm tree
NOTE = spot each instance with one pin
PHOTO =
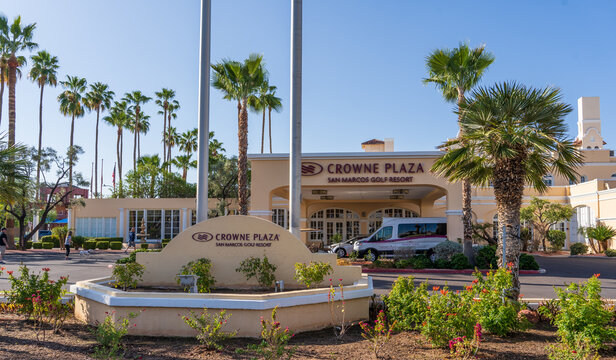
(164, 96)
(511, 136)
(172, 109)
(183, 162)
(188, 141)
(455, 72)
(136, 99)
(118, 117)
(257, 103)
(602, 233)
(151, 166)
(238, 81)
(72, 104)
(43, 72)
(15, 38)
(273, 103)
(99, 98)
(172, 139)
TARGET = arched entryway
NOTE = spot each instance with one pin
(376, 218)
(331, 222)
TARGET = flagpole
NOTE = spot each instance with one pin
(204, 110)
(100, 195)
(92, 179)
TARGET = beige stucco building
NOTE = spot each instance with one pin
(349, 193)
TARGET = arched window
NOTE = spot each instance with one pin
(376, 218)
(330, 222)
(583, 178)
(614, 175)
(548, 179)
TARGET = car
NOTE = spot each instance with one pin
(345, 248)
(42, 233)
(417, 234)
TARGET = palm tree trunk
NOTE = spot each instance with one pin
(135, 150)
(12, 81)
(184, 173)
(467, 214)
(120, 160)
(71, 155)
(98, 112)
(2, 75)
(164, 134)
(242, 160)
(270, 129)
(119, 165)
(263, 131)
(40, 144)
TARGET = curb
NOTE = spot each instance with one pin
(440, 271)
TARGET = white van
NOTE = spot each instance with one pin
(419, 234)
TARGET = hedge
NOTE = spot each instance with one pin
(78, 241)
(144, 246)
(52, 239)
(102, 245)
(47, 245)
(115, 245)
(165, 242)
(37, 245)
(578, 249)
(89, 245)
(28, 244)
(109, 239)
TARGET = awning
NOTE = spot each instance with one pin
(62, 221)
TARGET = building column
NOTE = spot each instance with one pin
(69, 219)
(184, 218)
(455, 229)
(34, 222)
(121, 232)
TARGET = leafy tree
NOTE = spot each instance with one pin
(15, 38)
(173, 186)
(135, 99)
(99, 98)
(239, 81)
(118, 117)
(222, 183)
(72, 104)
(511, 136)
(43, 72)
(543, 214)
(454, 72)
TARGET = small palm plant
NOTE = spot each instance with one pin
(602, 233)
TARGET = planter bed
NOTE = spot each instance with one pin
(437, 271)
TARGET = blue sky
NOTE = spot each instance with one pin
(363, 64)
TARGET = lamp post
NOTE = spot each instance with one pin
(204, 110)
(295, 153)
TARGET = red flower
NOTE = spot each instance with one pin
(469, 288)
(597, 275)
(435, 288)
(485, 291)
(10, 273)
(51, 281)
(45, 269)
(521, 295)
(444, 292)
(475, 281)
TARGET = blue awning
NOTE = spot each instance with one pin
(63, 221)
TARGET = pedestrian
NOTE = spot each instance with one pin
(131, 240)
(67, 244)
(4, 242)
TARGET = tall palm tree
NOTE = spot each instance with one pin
(15, 38)
(72, 104)
(135, 99)
(172, 109)
(273, 103)
(455, 72)
(172, 138)
(118, 117)
(183, 162)
(99, 98)
(188, 141)
(511, 136)
(164, 96)
(238, 81)
(151, 166)
(44, 72)
(258, 103)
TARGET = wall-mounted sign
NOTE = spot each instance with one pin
(237, 239)
(365, 172)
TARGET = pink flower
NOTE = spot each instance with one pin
(10, 273)
(45, 269)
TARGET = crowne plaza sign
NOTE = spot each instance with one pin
(364, 172)
(237, 239)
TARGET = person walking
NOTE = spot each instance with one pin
(131, 240)
(67, 244)
(4, 242)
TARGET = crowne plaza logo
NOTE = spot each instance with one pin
(311, 168)
(202, 236)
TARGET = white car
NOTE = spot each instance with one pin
(418, 234)
(344, 248)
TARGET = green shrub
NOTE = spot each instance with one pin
(610, 252)
(102, 245)
(528, 262)
(442, 264)
(144, 246)
(202, 268)
(47, 245)
(60, 232)
(54, 239)
(101, 240)
(209, 328)
(260, 269)
(311, 274)
(37, 245)
(89, 245)
(421, 262)
(403, 263)
(26, 285)
(556, 239)
(383, 264)
(165, 242)
(115, 245)
(406, 303)
(486, 258)
(78, 241)
(28, 244)
(578, 249)
(109, 336)
(446, 250)
(459, 261)
(127, 275)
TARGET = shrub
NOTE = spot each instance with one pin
(144, 246)
(115, 245)
(47, 245)
(25, 286)
(28, 244)
(578, 249)
(260, 269)
(55, 240)
(378, 335)
(78, 241)
(60, 232)
(102, 245)
(442, 264)
(556, 239)
(446, 250)
(89, 245)
(127, 275)
(407, 304)
(528, 262)
(165, 242)
(200, 267)
(274, 340)
(101, 241)
(383, 264)
(486, 258)
(583, 316)
(37, 245)
(311, 274)
(421, 262)
(581, 351)
(465, 348)
(109, 334)
(459, 261)
(610, 252)
(209, 328)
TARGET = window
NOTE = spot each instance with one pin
(383, 234)
(596, 147)
(376, 218)
(548, 179)
(583, 178)
(330, 222)
(614, 175)
(96, 227)
(280, 217)
(172, 223)
(408, 230)
(571, 182)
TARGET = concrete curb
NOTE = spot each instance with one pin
(440, 271)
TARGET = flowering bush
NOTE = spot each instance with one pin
(581, 351)
(379, 334)
(200, 267)
(109, 334)
(274, 340)
(127, 275)
(260, 269)
(312, 274)
(209, 328)
(26, 286)
(463, 348)
(338, 322)
(407, 304)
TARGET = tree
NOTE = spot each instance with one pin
(164, 96)
(118, 117)
(215, 150)
(172, 109)
(238, 81)
(273, 103)
(72, 104)
(99, 98)
(135, 99)
(184, 162)
(15, 38)
(172, 139)
(150, 165)
(258, 103)
(43, 72)
(223, 182)
(602, 233)
(455, 72)
(511, 136)
(188, 141)
(543, 214)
